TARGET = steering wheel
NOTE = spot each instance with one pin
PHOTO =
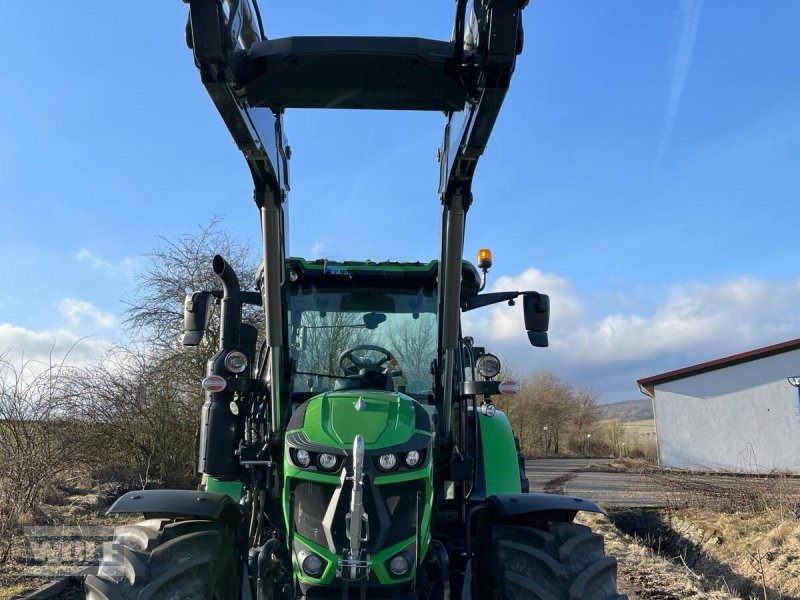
(363, 362)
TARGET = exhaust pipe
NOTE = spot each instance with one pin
(231, 309)
(220, 429)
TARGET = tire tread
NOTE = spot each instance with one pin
(160, 559)
(559, 561)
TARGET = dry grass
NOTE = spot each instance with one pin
(728, 493)
(720, 537)
(67, 504)
(761, 550)
(12, 591)
(644, 574)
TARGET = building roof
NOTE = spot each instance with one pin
(648, 383)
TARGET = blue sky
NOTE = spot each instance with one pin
(644, 172)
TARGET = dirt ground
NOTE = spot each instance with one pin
(63, 538)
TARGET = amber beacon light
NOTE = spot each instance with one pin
(484, 259)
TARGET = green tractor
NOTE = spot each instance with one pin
(355, 451)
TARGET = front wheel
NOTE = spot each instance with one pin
(165, 560)
(565, 561)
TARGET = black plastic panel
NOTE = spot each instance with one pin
(388, 73)
(517, 504)
(205, 505)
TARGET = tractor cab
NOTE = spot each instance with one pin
(365, 326)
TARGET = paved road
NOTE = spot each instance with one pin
(570, 476)
(574, 477)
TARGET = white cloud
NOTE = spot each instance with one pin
(318, 248)
(694, 322)
(128, 266)
(79, 339)
(40, 347)
(79, 312)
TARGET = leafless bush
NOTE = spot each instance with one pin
(642, 450)
(144, 417)
(40, 438)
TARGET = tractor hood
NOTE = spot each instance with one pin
(384, 419)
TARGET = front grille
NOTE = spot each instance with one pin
(311, 500)
(401, 504)
(392, 511)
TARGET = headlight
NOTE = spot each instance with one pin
(488, 366)
(327, 461)
(399, 565)
(312, 565)
(412, 458)
(302, 457)
(387, 462)
(236, 362)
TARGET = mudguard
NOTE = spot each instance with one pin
(510, 505)
(179, 503)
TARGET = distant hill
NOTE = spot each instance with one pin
(628, 410)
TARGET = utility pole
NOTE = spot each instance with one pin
(546, 439)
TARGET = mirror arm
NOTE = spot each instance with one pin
(482, 300)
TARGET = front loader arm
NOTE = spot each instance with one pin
(252, 80)
(490, 48)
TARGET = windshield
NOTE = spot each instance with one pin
(340, 338)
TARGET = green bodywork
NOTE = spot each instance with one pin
(230, 488)
(500, 465)
(469, 274)
(328, 266)
(332, 419)
(386, 419)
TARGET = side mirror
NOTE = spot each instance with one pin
(537, 317)
(195, 317)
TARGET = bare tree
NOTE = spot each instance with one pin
(584, 414)
(414, 345)
(175, 268)
(614, 431)
(550, 416)
(326, 336)
(155, 309)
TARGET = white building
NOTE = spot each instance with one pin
(737, 413)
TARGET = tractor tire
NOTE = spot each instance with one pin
(166, 560)
(565, 562)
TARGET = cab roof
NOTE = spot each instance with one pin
(327, 273)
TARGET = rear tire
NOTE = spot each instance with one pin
(165, 560)
(565, 562)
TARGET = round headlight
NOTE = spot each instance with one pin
(399, 565)
(236, 362)
(387, 462)
(412, 458)
(326, 461)
(312, 565)
(488, 366)
(302, 457)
